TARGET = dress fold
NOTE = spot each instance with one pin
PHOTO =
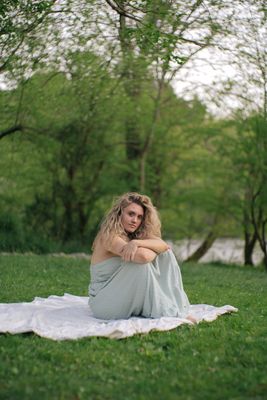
(120, 289)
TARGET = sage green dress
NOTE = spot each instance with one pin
(120, 289)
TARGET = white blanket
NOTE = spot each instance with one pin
(69, 317)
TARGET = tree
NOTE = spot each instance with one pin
(74, 125)
(19, 22)
(254, 165)
(249, 57)
(160, 41)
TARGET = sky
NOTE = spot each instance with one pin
(207, 78)
(207, 75)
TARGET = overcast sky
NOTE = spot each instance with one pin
(207, 74)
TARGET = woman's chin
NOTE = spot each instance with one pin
(130, 230)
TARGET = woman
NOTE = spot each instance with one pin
(133, 271)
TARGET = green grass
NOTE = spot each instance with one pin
(225, 359)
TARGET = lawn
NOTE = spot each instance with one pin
(225, 359)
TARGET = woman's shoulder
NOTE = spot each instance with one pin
(106, 247)
(100, 251)
(103, 241)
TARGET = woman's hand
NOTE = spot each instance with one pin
(155, 244)
(129, 250)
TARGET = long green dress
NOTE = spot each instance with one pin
(120, 289)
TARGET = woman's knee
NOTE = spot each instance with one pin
(137, 268)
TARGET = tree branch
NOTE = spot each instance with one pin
(11, 130)
(120, 11)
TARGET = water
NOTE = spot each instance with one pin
(229, 251)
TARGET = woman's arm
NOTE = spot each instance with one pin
(155, 244)
(129, 251)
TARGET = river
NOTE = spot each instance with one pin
(225, 250)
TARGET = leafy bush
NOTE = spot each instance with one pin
(16, 237)
(12, 235)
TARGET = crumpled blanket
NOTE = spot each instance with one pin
(69, 317)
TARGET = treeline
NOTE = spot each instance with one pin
(83, 142)
(89, 112)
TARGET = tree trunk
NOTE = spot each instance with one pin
(203, 248)
(157, 189)
(132, 89)
(143, 172)
(263, 242)
(151, 133)
(82, 220)
(249, 247)
(68, 203)
(259, 223)
(250, 238)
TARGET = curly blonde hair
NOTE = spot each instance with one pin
(112, 224)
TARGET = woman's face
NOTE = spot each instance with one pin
(132, 217)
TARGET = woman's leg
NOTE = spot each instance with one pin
(124, 294)
(151, 290)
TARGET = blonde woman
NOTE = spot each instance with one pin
(133, 271)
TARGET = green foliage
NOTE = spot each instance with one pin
(97, 126)
(78, 158)
(19, 20)
(12, 236)
(74, 162)
(224, 359)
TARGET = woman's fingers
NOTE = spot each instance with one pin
(133, 254)
(128, 251)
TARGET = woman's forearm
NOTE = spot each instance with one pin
(157, 245)
(144, 255)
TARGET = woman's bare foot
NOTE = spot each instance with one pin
(192, 319)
